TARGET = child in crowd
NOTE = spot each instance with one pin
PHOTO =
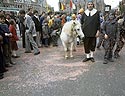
(110, 31)
(14, 38)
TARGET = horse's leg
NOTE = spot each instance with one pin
(71, 49)
(74, 45)
(65, 49)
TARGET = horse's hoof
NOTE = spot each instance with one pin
(66, 57)
(71, 56)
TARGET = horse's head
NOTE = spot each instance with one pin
(76, 28)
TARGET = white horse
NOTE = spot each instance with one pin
(68, 36)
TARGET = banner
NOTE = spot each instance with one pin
(62, 6)
(71, 3)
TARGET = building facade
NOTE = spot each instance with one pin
(41, 5)
(16, 5)
(77, 4)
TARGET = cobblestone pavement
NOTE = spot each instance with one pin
(49, 74)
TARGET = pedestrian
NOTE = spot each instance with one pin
(4, 30)
(30, 33)
(7, 20)
(38, 28)
(110, 31)
(13, 38)
(22, 26)
(56, 26)
(90, 22)
(101, 34)
(68, 17)
(63, 20)
(2, 12)
(42, 17)
(120, 37)
(79, 15)
(45, 32)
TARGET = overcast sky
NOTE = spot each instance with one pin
(54, 3)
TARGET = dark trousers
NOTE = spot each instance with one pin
(46, 41)
(2, 61)
(55, 40)
(109, 46)
(7, 53)
(89, 44)
(23, 39)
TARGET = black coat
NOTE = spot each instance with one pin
(90, 24)
(37, 24)
(4, 29)
(110, 28)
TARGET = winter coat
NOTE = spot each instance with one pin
(14, 37)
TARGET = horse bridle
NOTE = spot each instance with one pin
(73, 25)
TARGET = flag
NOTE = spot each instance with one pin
(73, 6)
(62, 6)
(71, 3)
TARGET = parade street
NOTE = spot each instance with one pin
(49, 74)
